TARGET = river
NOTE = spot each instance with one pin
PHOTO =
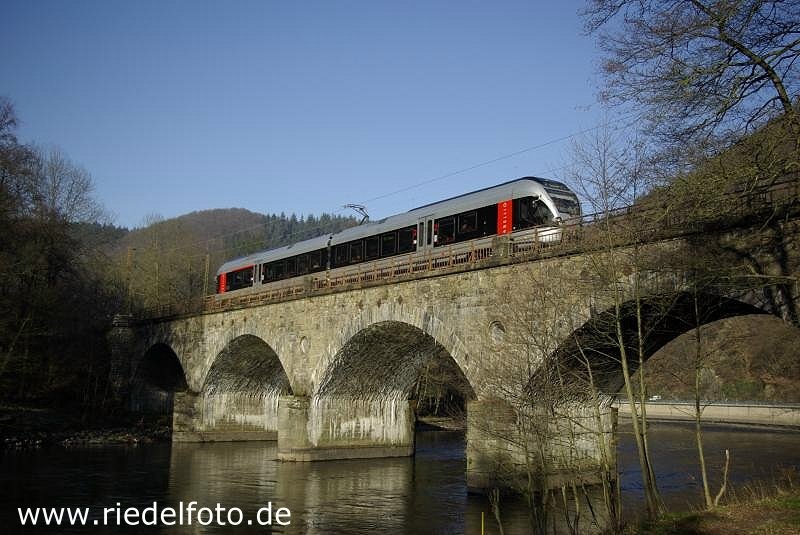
(423, 494)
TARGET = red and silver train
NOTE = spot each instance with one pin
(527, 206)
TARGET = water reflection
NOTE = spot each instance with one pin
(423, 494)
(757, 455)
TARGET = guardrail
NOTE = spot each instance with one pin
(703, 403)
(645, 223)
(783, 415)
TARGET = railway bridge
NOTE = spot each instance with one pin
(339, 371)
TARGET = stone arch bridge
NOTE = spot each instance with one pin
(338, 373)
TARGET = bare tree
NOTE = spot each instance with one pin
(607, 177)
(16, 164)
(699, 74)
(62, 190)
(162, 265)
(700, 397)
(698, 69)
(8, 122)
(52, 301)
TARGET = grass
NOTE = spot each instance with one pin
(754, 510)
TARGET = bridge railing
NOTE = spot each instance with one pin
(409, 264)
(640, 223)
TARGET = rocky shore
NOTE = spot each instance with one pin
(37, 439)
(25, 427)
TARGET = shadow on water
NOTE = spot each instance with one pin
(423, 494)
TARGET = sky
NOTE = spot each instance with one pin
(298, 107)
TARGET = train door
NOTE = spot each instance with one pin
(425, 233)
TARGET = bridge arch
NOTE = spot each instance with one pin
(409, 319)
(389, 357)
(379, 377)
(664, 318)
(157, 378)
(241, 389)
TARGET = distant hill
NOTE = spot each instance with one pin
(175, 259)
(206, 224)
(235, 231)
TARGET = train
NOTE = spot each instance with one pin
(524, 207)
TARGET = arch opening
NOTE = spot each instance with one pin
(242, 387)
(158, 377)
(663, 318)
(750, 358)
(382, 379)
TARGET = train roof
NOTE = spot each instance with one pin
(520, 187)
(551, 185)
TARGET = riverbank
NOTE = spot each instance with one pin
(426, 423)
(32, 427)
(778, 514)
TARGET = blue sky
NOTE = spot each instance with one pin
(301, 107)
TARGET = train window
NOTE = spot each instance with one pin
(388, 244)
(468, 222)
(356, 252)
(372, 248)
(421, 232)
(568, 207)
(522, 213)
(242, 278)
(430, 232)
(340, 255)
(291, 266)
(487, 220)
(446, 231)
(266, 273)
(279, 268)
(405, 240)
(315, 261)
(302, 264)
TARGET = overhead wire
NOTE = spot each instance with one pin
(208, 241)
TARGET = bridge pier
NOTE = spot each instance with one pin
(121, 343)
(313, 429)
(196, 418)
(185, 418)
(505, 449)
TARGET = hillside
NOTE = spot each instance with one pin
(237, 230)
(177, 259)
(750, 358)
(747, 358)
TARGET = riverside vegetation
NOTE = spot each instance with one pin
(65, 270)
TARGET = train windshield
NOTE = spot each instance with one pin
(553, 186)
(569, 207)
